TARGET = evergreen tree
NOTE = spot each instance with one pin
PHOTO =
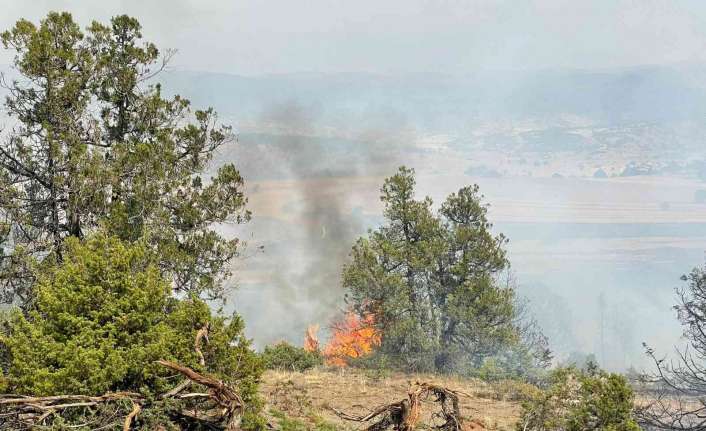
(94, 144)
(431, 280)
(106, 230)
(100, 321)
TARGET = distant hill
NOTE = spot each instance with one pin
(439, 101)
(646, 94)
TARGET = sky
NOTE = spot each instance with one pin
(410, 36)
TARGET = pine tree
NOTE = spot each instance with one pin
(95, 144)
(431, 280)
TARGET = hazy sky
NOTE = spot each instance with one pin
(455, 36)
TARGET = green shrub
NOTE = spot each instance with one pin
(490, 371)
(101, 319)
(376, 361)
(514, 390)
(579, 400)
(284, 356)
(505, 367)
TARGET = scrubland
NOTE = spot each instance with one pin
(308, 400)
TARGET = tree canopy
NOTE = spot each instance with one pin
(95, 144)
(431, 281)
(107, 240)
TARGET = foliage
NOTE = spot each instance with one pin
(513, 390)
(431, 281)
(95, 145)
(525, 358)
(104, 315)
(376, 363)
(107, 213)
(578, 401)
(284, 356)
(516, 361)
(491, 370)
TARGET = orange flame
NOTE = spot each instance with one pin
(311, 341)
(352, 337)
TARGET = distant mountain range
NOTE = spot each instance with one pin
(438, 101)
(543, 123)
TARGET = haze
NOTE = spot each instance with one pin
(404, 36)
(583, 123)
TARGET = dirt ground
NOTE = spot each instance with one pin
(311, 395)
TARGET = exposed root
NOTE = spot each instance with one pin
(404, 415)
(225, 396)
(177, 389)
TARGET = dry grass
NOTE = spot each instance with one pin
(309, 396)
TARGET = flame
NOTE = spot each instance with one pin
(352, 337)
(311, 341)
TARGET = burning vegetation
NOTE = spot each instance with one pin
(352, 337)
(311, 340)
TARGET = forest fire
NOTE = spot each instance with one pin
(311, 341)
(351, 337)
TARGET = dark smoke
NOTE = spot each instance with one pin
(303, 263)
